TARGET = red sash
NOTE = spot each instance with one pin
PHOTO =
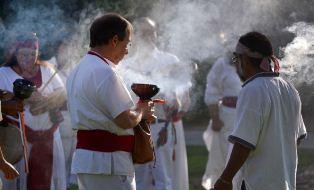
(41, 158)
(104, 141)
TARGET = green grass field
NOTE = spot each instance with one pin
(197, 159)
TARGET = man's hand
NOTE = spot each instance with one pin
(162, 137)
(217, 124)
(147, 108)
(9, 171)
(12, 107)
(222, 185)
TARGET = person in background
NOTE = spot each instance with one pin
(46, 158)
(62, 64)
(102, 110)
(222, 90)
(151, 65)
(269, 124)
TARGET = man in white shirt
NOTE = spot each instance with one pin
(102, 110)
(269, 123)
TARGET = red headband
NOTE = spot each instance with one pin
(242, 49)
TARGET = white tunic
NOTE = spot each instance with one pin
(158, 67)
(39, 122)
(97, 95)
(269, 121)
(222, 81)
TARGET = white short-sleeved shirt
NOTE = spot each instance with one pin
(97, 95)
(222, 81)
(269, 121)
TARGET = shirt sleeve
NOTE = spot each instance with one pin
(113, 96)
(301, 129)
(213, 85)
(250, 109)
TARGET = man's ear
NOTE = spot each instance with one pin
(114, 41)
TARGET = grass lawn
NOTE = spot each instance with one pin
(197, 159)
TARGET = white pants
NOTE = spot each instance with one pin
(105, 182)
(219, 150)
(157, 176)
(180, 179)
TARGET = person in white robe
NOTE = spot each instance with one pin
(46, 158)
(62, 64)
(148, 64)
(222, 89)
(180, 177)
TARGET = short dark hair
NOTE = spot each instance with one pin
(106, 27)
(257, 42)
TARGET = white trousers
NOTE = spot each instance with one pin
(180, 179)
(157, 175)
(219, 150)
(105, 182)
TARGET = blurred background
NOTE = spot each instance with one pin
(198, 32)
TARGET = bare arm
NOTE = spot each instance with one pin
(41, 104)
(130, 118)
(217, 124)
(238, 156)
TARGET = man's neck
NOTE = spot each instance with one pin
(104, 52)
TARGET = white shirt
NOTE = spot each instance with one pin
(222, 81)
(269, 121)
(97, 95)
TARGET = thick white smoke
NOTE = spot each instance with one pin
(298, 57)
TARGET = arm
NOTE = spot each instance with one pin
(238, 156)
(40, 104)
(132, 117)
(217, 124)
(12, 107)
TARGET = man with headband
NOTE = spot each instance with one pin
(269, 123)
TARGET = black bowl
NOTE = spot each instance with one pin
(23, 89)
(145, 91)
